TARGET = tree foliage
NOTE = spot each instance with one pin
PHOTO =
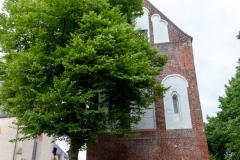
(223, 131)
(61, 55)
(131, 9)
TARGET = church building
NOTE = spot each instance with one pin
(172, 128)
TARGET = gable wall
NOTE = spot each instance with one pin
(175, 34)
(162, 143)
(185, 143)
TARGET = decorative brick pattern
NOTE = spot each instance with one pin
(159, 143)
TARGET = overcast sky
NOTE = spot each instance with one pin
(213, 24)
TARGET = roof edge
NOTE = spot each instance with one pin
(191, 38)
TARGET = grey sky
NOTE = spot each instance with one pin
(213, 24)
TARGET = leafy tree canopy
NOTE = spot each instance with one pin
(61, 55)
(223, 131)
(131, 9)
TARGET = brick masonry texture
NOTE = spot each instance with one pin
(159, 143)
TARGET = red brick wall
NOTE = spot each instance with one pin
(187, 144)
(162, 144)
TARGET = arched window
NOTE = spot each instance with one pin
(175, 104)
(160, 29)
(142, 23)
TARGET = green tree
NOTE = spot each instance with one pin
(223, 131)
(217, 138)
(131, 9)
(60, 56)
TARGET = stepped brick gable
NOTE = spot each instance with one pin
(175, 128)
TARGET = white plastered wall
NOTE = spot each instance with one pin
(21, 149)
(7, 133)
(143, 21)
(178, 85)
(160, 29)
(44, 148)
(148, 119)
(27, 150)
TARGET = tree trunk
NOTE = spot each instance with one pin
(73, 149)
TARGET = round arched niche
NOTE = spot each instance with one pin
(178, 86)
(142, 23)
(160, 29)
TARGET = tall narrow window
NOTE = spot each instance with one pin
(175, 104)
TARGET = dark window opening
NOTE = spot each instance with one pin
(175, 104)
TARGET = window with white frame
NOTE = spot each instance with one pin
(176, 103)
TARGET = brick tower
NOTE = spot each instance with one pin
(172, 128)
